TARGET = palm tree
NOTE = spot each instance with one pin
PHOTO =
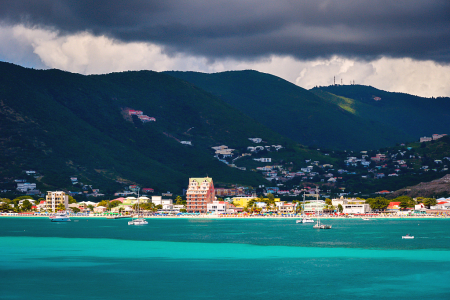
(60, 207)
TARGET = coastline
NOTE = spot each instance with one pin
(234, 217)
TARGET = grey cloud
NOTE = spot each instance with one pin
(250, 28)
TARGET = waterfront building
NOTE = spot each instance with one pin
(166, 204)
(54, 199)
(199, 193)
(352, 205)
(315, 206)
(393, 207)
(285, 208)
(242, 201)
(217, 207)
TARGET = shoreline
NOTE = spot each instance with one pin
(215, 217)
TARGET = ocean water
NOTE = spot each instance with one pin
(224, 259)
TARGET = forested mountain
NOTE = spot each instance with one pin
(63, 124)
(412, 115)
(295, 112)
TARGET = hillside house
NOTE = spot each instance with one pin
(133, 112)
(263, 159)
(145, 118)
(438, 136)
(255, 140)
(25, 186)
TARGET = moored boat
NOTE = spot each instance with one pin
(321, 226)
(62, 217)
(305, 220)
(139, 221)
(407, 237)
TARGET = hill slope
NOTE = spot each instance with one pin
(293, 111)
(63, 124)
(414, 116)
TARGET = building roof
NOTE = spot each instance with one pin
(201, 179)
(384, 192)
(392, 204)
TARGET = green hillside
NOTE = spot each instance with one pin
(293, 111)
(62, 124)
(414, 116)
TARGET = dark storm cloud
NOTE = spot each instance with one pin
(250, 28)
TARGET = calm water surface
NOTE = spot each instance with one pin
(223, 259)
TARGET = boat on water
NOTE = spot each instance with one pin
(305, 220)
(365, 219)
(135, 220)
(61, 217)
(407, 237)
(138, 221)
(321, 226)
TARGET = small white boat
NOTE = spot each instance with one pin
(60, 218)
(321, 226)
(139, 221)
(365, 219)
(305, 220)
(407, 237)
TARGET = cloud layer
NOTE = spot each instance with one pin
(249, 29)
(86, 53)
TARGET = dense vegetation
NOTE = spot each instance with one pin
(295, 112)
(413, 116)
(62, 124)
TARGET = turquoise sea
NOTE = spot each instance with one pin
(224, 259)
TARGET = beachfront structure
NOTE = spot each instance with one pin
(393, 207)
(54, 199)
(217, 207)
(285, 208)
(166, 204)
(352, 205)
(241, 201)
(316, 206)
(200, 192)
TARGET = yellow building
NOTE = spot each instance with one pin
(54, 199)
(241, 201)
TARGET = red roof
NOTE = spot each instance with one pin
(384, 192)
(443, 202)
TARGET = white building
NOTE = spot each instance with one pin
(255, 140)
(25, 186)
(352, 206)
(167, 204)
(315, 206)
(263, 159)
(217, 207)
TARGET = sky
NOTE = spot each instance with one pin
(399, 46)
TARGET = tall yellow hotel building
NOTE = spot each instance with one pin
(199, 193)
(53, 199)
